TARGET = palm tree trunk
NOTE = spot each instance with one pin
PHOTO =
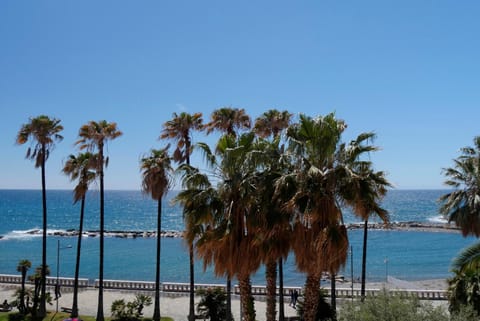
(364, 260)
(22, 307)
(43, 309)
(271, 277)
(229, 299)
(100, 316)
(281, 309)
(156, 309)
(191, 315)
(74, 313)
(246, 298)
(333, 294)
(312, 294)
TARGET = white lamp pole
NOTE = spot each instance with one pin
(58, 269)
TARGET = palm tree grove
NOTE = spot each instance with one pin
(267, 189)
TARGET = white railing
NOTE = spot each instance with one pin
(17, 279)
(258, 290)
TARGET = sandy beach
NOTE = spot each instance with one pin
(176, 306)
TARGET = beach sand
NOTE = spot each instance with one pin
(176, 306)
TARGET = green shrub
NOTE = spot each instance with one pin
(388, 307)
(213, 304)
(130, 311)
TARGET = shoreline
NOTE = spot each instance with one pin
(410, 226)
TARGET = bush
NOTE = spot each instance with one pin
(130, 311)
(388, 307)
(213, 304)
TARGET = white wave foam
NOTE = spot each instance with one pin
(29, 234)
(437, 219)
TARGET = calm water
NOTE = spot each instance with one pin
(409, 255)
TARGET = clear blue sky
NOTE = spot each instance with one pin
(407, 70)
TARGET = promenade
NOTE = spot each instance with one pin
(174, 296)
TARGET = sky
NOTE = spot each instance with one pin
(407, 70)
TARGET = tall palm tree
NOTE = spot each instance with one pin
(462, 205)
(81, 167)
(364, 188)
(94, 136)
(276, 229)
(179, 129)
(156, 171)
(323, 182)
(23, 267)
(202, 206)
(228, 120)
(229, 245)
(44, 132)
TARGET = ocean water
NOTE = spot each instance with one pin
(405, 255)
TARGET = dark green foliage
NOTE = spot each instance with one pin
(130, 311)
(388, 307)
(213, 304)
(324, 311)
(464, 289)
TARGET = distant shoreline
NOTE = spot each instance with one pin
(394, 226)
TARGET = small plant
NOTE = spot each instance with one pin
(213, 304)
(130, 311)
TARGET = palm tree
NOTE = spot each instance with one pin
(464, 289)
(179, 129)
(44, 132)
(156, 171)
(276, 226)
(323, 181)
(80, 167)
(228, 120)
(201, 207)
(364, 188)
(94, 136)
(229, 244)
(462, 205)
(23, 267)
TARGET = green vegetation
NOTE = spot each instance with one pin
(462, 206)
(388, 307)
(213, 304)
(60, 316)
(130, 311)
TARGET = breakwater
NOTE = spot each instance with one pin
(395, 226)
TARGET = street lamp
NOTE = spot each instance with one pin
(386, 270)
(351, 267)
(57, 286)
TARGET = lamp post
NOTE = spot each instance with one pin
(386, 270)
(351, 267)
(57, 289)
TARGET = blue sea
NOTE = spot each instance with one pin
(407, 255)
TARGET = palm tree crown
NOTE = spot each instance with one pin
(156, 169)
(228, 120)
(179, 128)
(462, 205)
(44, 132)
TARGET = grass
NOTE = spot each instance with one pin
(60, 316)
